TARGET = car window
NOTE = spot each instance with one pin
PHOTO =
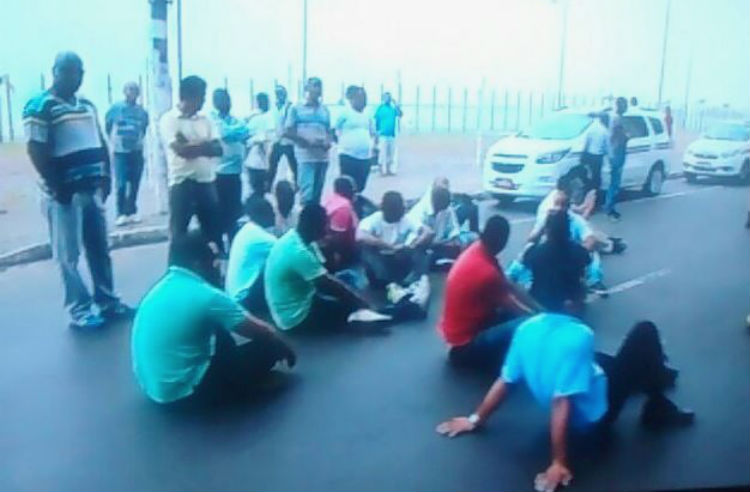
(635, 126)
(559, 126)
(656, 125)
(728, 131)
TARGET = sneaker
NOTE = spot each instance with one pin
(599, 289)
(660, 412)
(134, 219)
(420, 291)
(394, 292)
(614, 216)
(618, 246)
(90, 322)
(122, 220)
(117, 312)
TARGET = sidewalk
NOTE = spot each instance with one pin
(421, 158)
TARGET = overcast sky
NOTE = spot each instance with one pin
(613, 45)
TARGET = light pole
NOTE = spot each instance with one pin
(304, 41)
(563, 42)
(179, 39)
(664, 50)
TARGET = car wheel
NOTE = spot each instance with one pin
(691, 178)
(655, 180)
(744, 176)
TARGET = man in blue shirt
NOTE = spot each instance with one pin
(234, 134)
(125, 124)
(554, 353)
(385, 125)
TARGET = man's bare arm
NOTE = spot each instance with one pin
(491, 401)
(331, 285)
(256, 329)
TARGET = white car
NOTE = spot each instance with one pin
(529, 163)
(724, 150)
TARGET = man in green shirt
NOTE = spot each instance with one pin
(295, 277)
(182, 344)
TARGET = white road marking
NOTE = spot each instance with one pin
(522, 221)
(629, 284)
(672, 195)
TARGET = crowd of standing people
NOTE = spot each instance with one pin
(287, 259)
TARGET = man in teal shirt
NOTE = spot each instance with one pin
(385, 124)
(295, 276)
(182, 346)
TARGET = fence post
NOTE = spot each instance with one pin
(434, 104)
(140, 88)
(505, 111)
(450, 106)
(480, 94)
(1, 118)
(466, 102)
(9, 106)
(109, 88)
(531, 105)
(541, 106)
(252, 94)
(518, 110)
(492, 109)
(43, 84)
(382, 91)
(226, 83)
(398, 88)
(416, 111)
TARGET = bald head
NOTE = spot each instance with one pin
(67, 74)
(131, 90)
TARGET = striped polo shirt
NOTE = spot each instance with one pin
(71, 130)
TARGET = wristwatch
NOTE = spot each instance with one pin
(474, 419)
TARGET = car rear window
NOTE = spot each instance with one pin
(656, 125)
(560, 126)
(635, 126)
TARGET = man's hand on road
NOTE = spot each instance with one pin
(557, 474)
(455, 426)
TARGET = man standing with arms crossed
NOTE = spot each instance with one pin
(618, 146)
(385, 125)
(67, 148)
(125, 125)
(309, 127)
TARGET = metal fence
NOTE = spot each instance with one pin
(428, 108)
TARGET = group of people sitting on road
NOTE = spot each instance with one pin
(317, 267)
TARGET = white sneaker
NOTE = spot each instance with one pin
(395, 292)
(134, 219)
(122, 220)
(420, 291)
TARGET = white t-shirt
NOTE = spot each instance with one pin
(354, 129)
(196, 129)
(403, 232)
(262, 128)
(444, 224)
(579, 227)
(247, 256)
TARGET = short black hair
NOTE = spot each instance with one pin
(261, 98)
(187, 250)
(312, 223)
(352, 91)
(495, 233)
(441, 195)
(284, 193)
(392, 202)
(192, 87)
(260, 211)
(345, 185)
(558, 227)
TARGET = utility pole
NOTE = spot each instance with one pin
(179, 40)
(1, 116)
(304, 42)
(563, 42)
(160, 98)
(688, 80)
(9, 106)
(664, 51)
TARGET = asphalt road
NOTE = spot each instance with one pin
(358, 413)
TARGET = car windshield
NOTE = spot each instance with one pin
(560, 126)
(728, 131)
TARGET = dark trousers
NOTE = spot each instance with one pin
(278, 150)
(325, 314)
(128, 172)
(593, 164)
(403, 266)
(190, 198)
(486, 351)
(358, 169)
(638, 367)
(255, 300)
(233, 370)
(259, 181)
(229, 196)
(466, 210)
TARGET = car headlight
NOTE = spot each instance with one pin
(730, 154)
(551, 157)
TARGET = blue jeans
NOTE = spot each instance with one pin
(82, 222)
(486, 351)
(128, 171)
(616, 164)
(311, 176)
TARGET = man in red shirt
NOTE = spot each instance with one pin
(482, 308)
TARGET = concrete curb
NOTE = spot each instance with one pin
(117, 239)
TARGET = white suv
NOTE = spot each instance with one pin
(724, 150)
(529, 163)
